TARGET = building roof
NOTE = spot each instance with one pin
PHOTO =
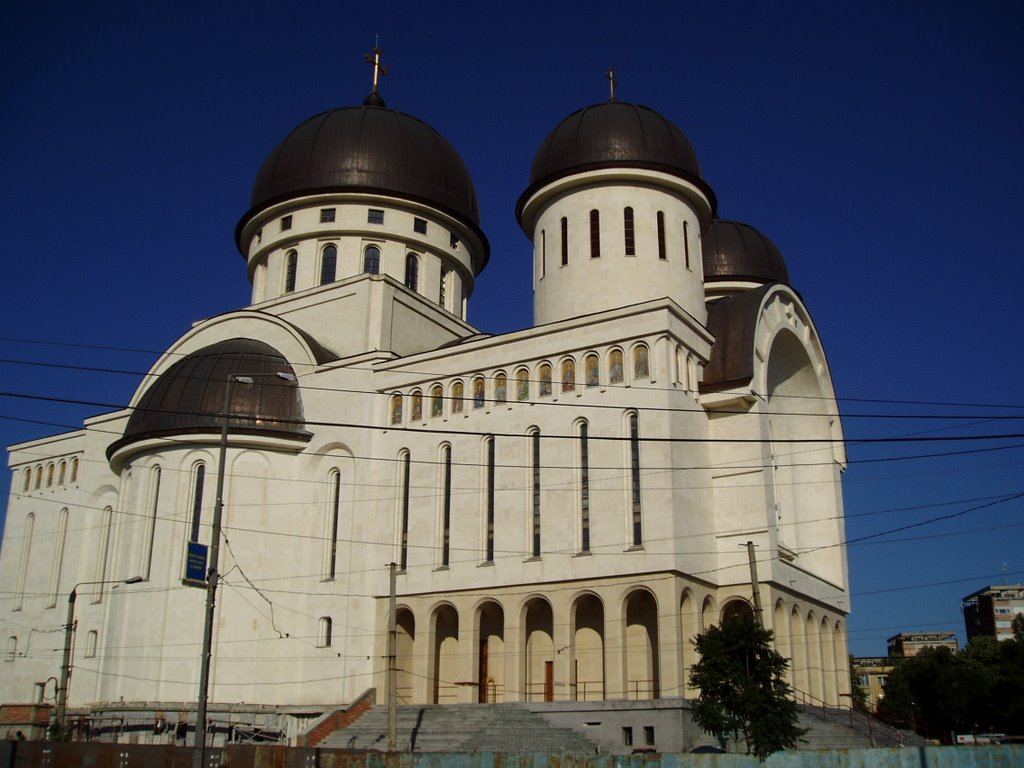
(732, 320)
(188, 397)
(736, 251)
(614, 135)
(368, 148)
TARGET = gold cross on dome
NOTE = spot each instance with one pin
(610, 74)
(379, 70)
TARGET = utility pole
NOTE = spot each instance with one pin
(754, 586)
(392, 664)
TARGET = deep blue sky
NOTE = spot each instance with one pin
(879, 146)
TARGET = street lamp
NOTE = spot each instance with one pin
(69, 631)
(199, 750)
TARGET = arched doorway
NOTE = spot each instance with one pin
(491, 654)
(588, 649)
(689, 623)
(405, 625)
(641, 647)
(445, 656)
(539, 648)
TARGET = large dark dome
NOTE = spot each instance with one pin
(614, 135)
(368, 148)
(188, 397)
(736, 251)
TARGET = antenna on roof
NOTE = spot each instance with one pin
(379, 70)
(610, 74)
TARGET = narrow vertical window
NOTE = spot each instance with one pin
(51, 473)
(630, 232)
(500, 388)
(661, 236)
(442, 289)
(324, 635)
(584, 487)
(417, 406)
(27, 484)
(545, 380)
(446, 504)
(565, 241)
(686, 242)
(458, 397)
(39, 477)
(149, 532)
(489, 497)
(371, 260)
(328, 264)
(405, 467)
(58, 557)
(396, 409)
(543, 253)
(436, 401)
(535, 489)
(595, 234)
(62, 474)
(74, 470)
(568, 375)
(641, 362)
(412, 271)
(100, 574)
(198, 481)
(634, 477)
(290, 267)
(333, 510)
(91, 641)
(12, 648)
(26, 552)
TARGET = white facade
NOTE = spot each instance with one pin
(568, 505)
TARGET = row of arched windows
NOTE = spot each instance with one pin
(629, 238)
(54, 473)
(371, 265)
(525, 384)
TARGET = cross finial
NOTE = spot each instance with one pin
(379, 70)
(610, 74)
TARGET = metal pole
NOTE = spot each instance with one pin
(199, 749)
(392, 664)
(754, 586)
(65, 667)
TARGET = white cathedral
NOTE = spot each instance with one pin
(568, 505)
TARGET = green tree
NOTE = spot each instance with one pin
(857, 693)
(742, 689)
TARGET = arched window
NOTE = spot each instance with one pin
(396, 409)
(198, 481)
(62, 473)
(661, 236)
(333, 510)
(405, 464)
(478, 392)
(489, 498)
(565, 241)
(583, 458)
(12, 648)
(686, 242)
(595, 234)
(323, 639)
(26, 552)
(633, 425)
(615, 367)
(458, 397)
(417, 406)
(74, 470)
(446, 504)
(51, 472)
(641, 362)
(148, 534)
(91, 641)
(100, 574)
(522, 385)
(436, 401)
(569, 375)
(500, 388)
(371, 260)
(535, 492)
(543, 253)
(412, 271)
(545, 380)
(328, 264)
(290, 267)
(26, 485)
(39, 477)
(592, 370)
(58, 557)
(628, 229)
(442, 289)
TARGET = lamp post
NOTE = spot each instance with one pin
(199, 744)
(69, 631)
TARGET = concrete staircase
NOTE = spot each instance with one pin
(460, 728)
(830, 728)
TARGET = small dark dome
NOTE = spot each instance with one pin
(368, 148)
(735, 251)
(188, 397)
(614, 135)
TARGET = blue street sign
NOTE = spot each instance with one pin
(195, 565)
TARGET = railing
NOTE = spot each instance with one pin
(634, 689)
(588, 690)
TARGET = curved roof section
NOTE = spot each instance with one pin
(614, 135)
(736, 251)
(732, 320)
(188, 398)
(368, 148)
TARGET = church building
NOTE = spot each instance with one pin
(567, 506)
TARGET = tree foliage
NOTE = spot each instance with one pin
(978, 690)
(743, 693)
(859, 696)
